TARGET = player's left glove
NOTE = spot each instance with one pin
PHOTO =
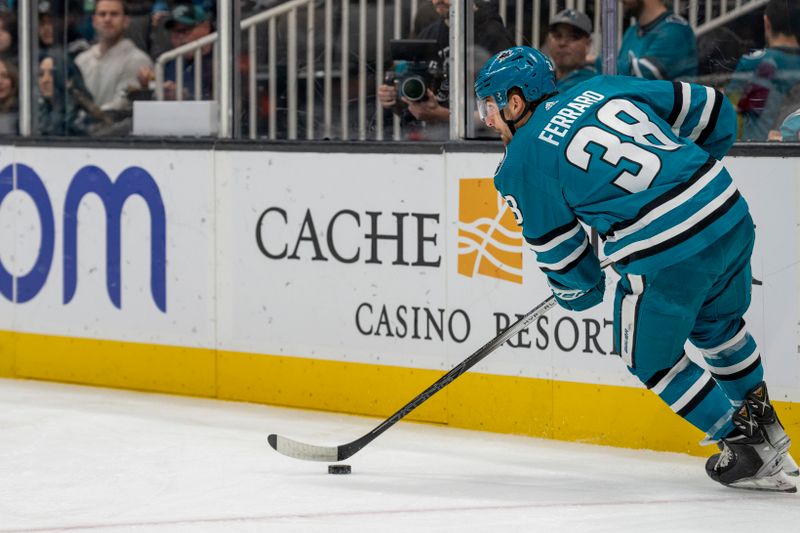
(577, 299)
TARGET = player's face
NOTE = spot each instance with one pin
(109, 19)
(490, 114)
(568, 47)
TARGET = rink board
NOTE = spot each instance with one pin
(344, 282)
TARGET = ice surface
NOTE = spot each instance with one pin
(88, 459)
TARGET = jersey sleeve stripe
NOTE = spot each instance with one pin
(552, 234)
(557, 266)
(685, 90)
(681, 232)
(562, 267)
(664, 202)
(705, 116)
(677, 103)
(552, 243)
(712, 121)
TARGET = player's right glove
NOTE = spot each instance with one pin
(576, 299)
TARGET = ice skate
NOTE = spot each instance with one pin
(748, 460)
(765, 416)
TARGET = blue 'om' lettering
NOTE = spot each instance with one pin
(89, 179)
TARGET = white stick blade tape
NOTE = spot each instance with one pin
(307, 452)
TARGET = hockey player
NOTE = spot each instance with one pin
(639, 162)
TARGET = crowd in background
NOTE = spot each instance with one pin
(95, 57)
(763, 83)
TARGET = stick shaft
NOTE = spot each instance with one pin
(346, 450)
(301, 450)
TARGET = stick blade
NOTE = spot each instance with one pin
(303, 451)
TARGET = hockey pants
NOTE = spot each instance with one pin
(701, 299)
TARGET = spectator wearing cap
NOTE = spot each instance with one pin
(659, 45)
(569, 38)
(186, 23)
(58, 30)
(158, 36)
(111, 66)
(46, 27)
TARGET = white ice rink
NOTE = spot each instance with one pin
(89, 459)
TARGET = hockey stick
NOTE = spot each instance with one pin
(310, 452)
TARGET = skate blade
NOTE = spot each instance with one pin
(789, 466)
(778, 482)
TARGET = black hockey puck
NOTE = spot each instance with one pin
(338, 469)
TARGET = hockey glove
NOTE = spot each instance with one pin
(577, 299)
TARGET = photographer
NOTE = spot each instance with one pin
(429, 117)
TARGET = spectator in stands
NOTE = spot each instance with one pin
(59, 31)
(426, 15)
(8, 97)
(47, 30)
(429, 118)
(65, 104)
(569, 38)
(186, 23)
(159, 40)
(138, 29)
(111, 66)
(763, 79)
(659, 45)
(8, 35)
(58, 113)
(77, 25)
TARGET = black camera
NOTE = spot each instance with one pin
(415, 67)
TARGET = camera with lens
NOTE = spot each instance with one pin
(415, 69)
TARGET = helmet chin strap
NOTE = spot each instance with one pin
(512, 124)
(530, 108)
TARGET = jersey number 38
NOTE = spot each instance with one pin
(624, 118)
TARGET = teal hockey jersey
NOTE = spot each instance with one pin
(664, 49)
(575, 77)
(637, 160)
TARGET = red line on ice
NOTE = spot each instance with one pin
(377, 512)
